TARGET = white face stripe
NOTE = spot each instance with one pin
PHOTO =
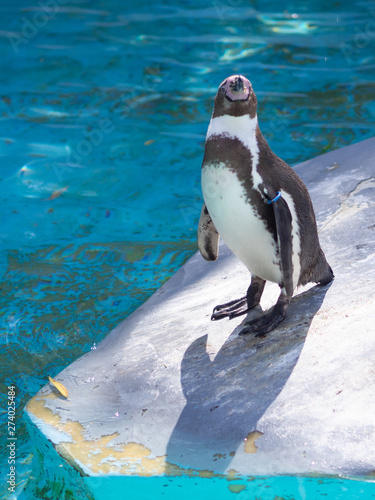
(242, 128)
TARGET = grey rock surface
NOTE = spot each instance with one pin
(170, 392)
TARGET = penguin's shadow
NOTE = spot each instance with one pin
(226, 397)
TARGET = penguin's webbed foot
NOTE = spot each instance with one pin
(230, 309)
(268, 321)
(243, 305)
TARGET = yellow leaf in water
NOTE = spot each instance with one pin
(57, 193)
(59, 386)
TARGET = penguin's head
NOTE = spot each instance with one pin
(235, 97)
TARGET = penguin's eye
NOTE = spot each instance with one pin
(223, 91)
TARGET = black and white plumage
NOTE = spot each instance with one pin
(276, 240)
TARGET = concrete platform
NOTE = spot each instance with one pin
(168, 392)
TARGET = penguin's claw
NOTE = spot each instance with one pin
(230, 309)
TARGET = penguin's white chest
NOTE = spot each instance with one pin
(243, 231)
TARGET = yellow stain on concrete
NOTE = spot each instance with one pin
(250, 446)
(99, 456)
(232, 475)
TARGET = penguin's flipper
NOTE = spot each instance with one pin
(208, 236)
(283, 219)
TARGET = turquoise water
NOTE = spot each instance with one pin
(260, 488)
(104, 107)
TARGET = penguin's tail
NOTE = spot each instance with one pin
(323, 273)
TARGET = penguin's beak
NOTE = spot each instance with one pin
(236, 88)
(237, 85)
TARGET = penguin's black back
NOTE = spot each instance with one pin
(314, 266)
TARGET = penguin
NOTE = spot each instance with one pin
(259, 206)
